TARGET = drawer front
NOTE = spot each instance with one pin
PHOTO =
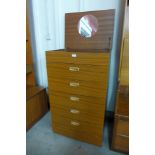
(77, 126)
(78, 102)
(77, 57)
(94, 110)
(79, 72)
(121, 143)
(78, 115)
(122, 127)
(74, 99)
(86, 88)
(89, 138)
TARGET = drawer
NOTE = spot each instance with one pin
(77, 126)
(73, 102)
(96, 58)
(82, 103)
(86, 88)
(77, 71)
(121, 143)
(122, 127)
(89, 138)
(77, 100)
(78, 115)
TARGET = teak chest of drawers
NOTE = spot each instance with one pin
(77, 87)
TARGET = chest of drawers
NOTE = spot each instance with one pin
(77, 87)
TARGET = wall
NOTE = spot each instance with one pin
(47, 33)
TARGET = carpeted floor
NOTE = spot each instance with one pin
(41, 140)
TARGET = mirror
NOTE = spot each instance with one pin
(87, 26)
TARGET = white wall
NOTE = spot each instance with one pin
(47, 27)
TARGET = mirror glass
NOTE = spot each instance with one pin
(87, 26)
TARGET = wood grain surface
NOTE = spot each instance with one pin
(122, 103)
(82, 103)
(78, 71)
(95, 117)
(80, 126)
(75, 57)
(102, 40)
(77, 87)
(121, 143)
(87, 88)
(36, 105)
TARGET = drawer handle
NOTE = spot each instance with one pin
(74, 55)
(74, 111)
(74, 98)
(75, 123)
(74, 69)
(74, 84)
(121, 135)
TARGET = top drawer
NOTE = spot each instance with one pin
(77, 57)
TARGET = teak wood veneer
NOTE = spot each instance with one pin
(36, 104)
(120, 139)
(102, 40)
(77, 87)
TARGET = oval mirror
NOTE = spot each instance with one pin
(87, 26)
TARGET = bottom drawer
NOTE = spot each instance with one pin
(89, 138)
(121, 143)
(77, 126)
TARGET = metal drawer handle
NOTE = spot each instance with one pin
(74, 84)
(121, 135)
(74, 98)
(74, 69)
(75, 123)
(74, 55)
(74, 111)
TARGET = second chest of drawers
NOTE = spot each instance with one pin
(77, 86)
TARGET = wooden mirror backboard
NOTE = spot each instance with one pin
(102, 40)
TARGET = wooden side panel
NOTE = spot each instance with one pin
(28, 52)
(120, 139)
(124, 72)
(124, 59)
(102, 40)
(122, 104)
(122, 127)
(30, 78)
(121, 143)
(28, 44)
(36, 107)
